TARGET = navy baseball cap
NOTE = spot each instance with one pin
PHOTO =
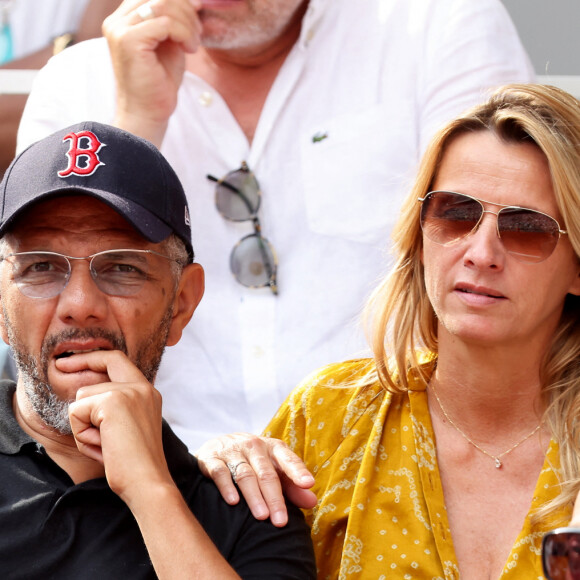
(124, 171)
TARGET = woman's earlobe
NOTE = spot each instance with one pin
(575, 289)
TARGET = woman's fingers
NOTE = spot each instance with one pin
(263, 469)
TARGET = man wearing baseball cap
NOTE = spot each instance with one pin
(96, 278)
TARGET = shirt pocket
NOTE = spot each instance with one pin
(357, 170)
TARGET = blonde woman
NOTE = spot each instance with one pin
(455, 449)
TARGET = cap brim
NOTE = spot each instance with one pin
(146, 223)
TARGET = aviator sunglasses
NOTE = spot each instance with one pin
(561, 554)
(529, 235)
(252, 260)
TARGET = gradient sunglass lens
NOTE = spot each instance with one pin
(529, 235)
(447, 217)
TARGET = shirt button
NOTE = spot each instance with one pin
(205, 99)
(258, 351)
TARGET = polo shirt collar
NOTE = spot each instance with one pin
(12, 437)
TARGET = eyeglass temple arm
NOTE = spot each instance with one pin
(233, 189)
(271, 274)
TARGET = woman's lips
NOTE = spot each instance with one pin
(478, 295)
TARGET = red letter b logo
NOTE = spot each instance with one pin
(82, 161)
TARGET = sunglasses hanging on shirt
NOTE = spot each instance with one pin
(252, 260)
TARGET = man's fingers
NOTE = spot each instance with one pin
(112, 363)
(84, 421)
(90, 451)
(156, 21)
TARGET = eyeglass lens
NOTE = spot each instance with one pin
(561, 555)
(529, 235)
(46, 274)
(252, 260)
(238, 195)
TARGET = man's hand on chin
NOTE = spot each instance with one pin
(118, 422)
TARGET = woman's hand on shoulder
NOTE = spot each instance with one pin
(264, 469)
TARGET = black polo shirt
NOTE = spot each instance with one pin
(53, 529)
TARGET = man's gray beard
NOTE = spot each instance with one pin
(52, 410)
(250, 36)
(254, 31)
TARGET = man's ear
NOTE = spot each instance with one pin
(187, 297)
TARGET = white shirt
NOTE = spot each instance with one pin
(377, 79)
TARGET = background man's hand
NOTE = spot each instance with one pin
(149, 60)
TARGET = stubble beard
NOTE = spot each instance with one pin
(264, 26)
(52, 409)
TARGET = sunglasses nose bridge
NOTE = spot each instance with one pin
(494, 213)
(484, 243)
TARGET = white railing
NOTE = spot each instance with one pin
(16, 81)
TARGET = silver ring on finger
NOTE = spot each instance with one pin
(145, 11)
(233, 467)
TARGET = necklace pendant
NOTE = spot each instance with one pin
(497, 462)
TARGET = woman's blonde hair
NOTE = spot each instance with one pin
(401, 319)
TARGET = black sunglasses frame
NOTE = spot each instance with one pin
(267, 252)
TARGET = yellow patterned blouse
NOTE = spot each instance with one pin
(381, 512)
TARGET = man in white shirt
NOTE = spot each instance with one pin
(329, 103)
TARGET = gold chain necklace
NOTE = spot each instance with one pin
(496, 458)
